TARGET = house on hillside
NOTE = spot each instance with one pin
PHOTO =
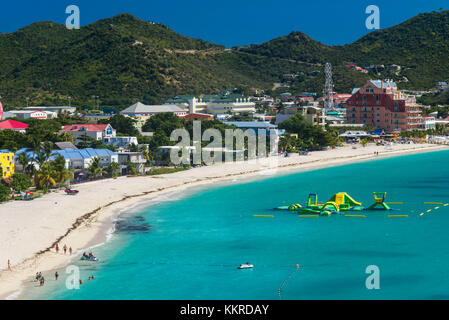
(95, 131)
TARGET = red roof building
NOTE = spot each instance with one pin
(13, 125)
(379, 103)
(198, 116)
(86, 127)
(95, 131)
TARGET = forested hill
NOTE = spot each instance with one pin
(419, 45)
(123, 58)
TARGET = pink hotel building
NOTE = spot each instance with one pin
(380, 104)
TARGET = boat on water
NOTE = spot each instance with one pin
(245, 266)
(89, 257)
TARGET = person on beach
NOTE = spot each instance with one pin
(9, 265)
(56, 276)
(65, 249)
(70, 250)
(57, 248)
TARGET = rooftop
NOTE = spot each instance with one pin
(250, 124)
(13, 125)
(69, 153)
(86, 127)
(142, 108)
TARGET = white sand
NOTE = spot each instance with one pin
(29, 229)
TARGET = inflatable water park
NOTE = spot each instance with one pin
(338, 203)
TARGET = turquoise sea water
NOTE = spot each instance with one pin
(193, 244)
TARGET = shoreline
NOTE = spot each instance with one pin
(81, 228)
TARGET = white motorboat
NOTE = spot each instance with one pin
(246, 266)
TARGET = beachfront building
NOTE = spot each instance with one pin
(77, 160)
(136, 159)
(95, 131)
(354, 135)
(7, 164)
(256, 126)
(429, 122)
(380, 104)
(13, 125)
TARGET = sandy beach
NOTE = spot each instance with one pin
(29, 231)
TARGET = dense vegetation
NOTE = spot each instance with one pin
(419, 45)
(124, 58)
(304, 136)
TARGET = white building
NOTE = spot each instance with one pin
(120, 141)
(429, 122)
(33, 114)
(215, 104)
(56, 109)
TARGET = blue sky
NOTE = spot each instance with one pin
(231, 22)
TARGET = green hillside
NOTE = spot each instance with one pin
(123, 58)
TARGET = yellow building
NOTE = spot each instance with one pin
(6, 164)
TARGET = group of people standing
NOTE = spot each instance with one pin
(64, 248)
(40, 278)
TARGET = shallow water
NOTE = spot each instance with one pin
(189, 248)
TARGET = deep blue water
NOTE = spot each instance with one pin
(189, 248)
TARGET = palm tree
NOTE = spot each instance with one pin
(286, 142)
(113, 169)
(95, 169)
(41, 157)
(24, 161)
(44, 178)
(364, 142)
(146, 154)
(62, 174)
(132, 168)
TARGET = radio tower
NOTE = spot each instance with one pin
(328, 92)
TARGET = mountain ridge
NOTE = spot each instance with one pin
(124, 58)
